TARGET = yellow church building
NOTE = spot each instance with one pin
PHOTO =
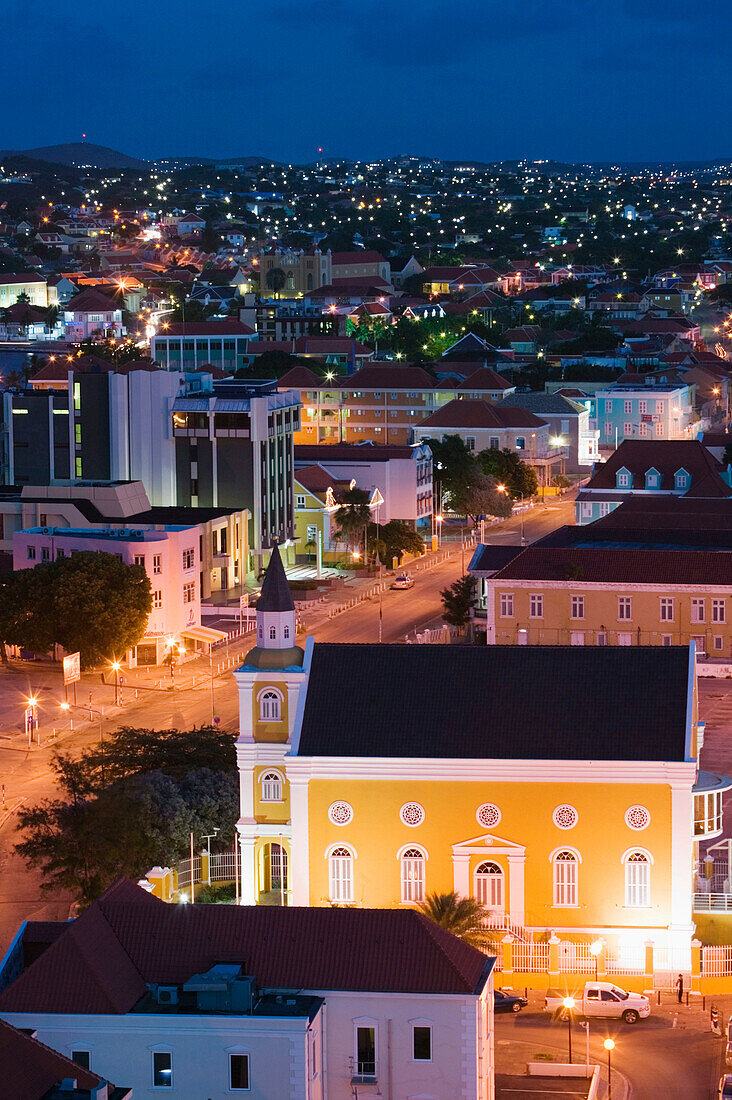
(558, 785)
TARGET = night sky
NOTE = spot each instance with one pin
(468, 79)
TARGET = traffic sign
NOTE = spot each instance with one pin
(72, 668)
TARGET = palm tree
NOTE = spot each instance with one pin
(276, 280)
(51, 318)
(352, 517)
(463, 917)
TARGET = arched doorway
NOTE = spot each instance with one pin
(273, 874)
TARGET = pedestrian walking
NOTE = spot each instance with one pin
(680, 987)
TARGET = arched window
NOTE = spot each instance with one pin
(489, 885)
(286, 633)
(272, 633)
(564, 864)
(278, 867)
(260, 630)
(637, 880)
(412, 865)
(270, 706)
(340, 874)
(271, 787)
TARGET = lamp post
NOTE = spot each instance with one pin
(609, 1045)
(438, 521)
(595, 949)
(569, 1005)
(116, 666)
(66, 708)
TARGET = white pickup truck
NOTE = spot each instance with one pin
(601, 999)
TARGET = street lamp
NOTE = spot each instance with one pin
(66, 708)
(568, 1003)
(595, 949)
(116, 666)
(609, 1045)
(438, 521)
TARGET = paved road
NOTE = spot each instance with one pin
(659, 1060)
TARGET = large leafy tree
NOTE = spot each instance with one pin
(90, 602)
(464, 917)
(137, 810)
(454, 467)
(507, 468)
(393, 539)
(480, 497)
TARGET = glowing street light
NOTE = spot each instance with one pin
(595, 949)
(609, 1045)
(116, 666)
(568, 1003)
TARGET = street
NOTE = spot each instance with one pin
(671, 1055)
(25, 773)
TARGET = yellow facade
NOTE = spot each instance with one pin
(572, 612)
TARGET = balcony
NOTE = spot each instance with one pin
(708, 804)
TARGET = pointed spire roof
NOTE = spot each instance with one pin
(276, 594)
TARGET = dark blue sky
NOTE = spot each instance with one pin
(481, 79)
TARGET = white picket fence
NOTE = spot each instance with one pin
(716, 961)
(531, 958)
(221, 870)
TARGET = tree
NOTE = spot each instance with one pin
(509, 470)
(457, 601)
(393, 539)
(136, 811)
(454, 466)
(463, 917)
(352, 517)
(276, 280)
(23, 298)
(90, 602)
(480, 497)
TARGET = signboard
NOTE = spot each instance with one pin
(72, 668)
(244, 601)
(646, 419)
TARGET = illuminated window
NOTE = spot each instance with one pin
(564, 866)
(162, 1070)
(340, 875)
(189, 592)
(271, 787)
(412, 867)
(637, 880)
(270, 706)
(489, 885)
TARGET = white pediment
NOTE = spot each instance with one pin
(488, 842)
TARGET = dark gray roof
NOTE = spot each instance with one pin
(275, 594)
(497, 702)
(488, 559)
(545, 403)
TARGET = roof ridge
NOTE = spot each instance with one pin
(437, 934)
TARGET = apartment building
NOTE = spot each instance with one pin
(644, 412)
(187, 347)
(29, 283)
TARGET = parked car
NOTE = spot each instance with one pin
(602, 999)
(504, 1001)
(725, 1087)
(403, 580)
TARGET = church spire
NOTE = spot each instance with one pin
(275, 594)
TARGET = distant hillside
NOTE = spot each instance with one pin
(78, 154)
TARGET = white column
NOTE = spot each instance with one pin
(461, 874)
(248, 870)
(682, 857)
(300, 843)
(516, 888)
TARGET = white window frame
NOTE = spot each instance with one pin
(428, 1025)
(189, 558)
(628, 407)
(625, 603)
(698, 609)
(341, 859)
(240, 1054)
(482, 880)
(628, 427)
(625, 638)
(412, 884)
(157, 599)
(536, 605)
(265, 695)
(577, 603)
(666, 605)
(506, 605)
(372, 1025)
(157, 564)
(153, 1053)
(623, 479)
(719, 610)
(608, 405)
(271, 786)
(577, 637)
(565, 889)
(586, 509)
(637, 892)
(189, 592)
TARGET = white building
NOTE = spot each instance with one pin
(309, 1002)
(171, 559)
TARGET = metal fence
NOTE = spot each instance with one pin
(629, 960)
(531, 958)
(222, 869)
(716, 961)
(184, 871)
(575, 958)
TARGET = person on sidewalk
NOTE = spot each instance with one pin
(680, 987)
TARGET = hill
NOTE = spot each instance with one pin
(79, 154)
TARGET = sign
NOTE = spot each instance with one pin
(72, 668)
(244, 601)
(646, 419)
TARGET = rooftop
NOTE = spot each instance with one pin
(667, 457)
(472, 702)
(480, 414)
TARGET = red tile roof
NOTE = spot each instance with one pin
(26, 277)
(617, 565)
(388, 376)
(91, 300)
(341, 259)
(667, 456)
(30, 1069)
(300, 378)
(484, 379)
(128, 938)
(479, 414)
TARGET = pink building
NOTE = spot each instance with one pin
(170, 555)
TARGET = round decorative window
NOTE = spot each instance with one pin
(488, 815)
(565, 817)
(637, 817)
(340, 813)
(412, 814)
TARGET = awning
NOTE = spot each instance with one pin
(204, 634)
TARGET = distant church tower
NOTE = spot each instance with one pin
(269, 681)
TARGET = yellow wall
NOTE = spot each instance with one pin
(601, 836)
(601, 614)
(271, 812)
(276, 732)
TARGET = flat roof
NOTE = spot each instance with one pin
(519, 1087)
